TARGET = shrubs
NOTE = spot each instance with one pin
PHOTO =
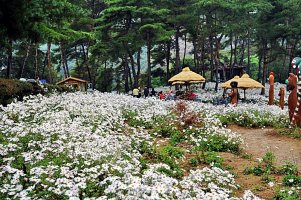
(49, 88)
(287, 194)
(11, 89)
(185, 116)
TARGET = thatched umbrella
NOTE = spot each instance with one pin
(187, 77)
(245, 82)
(227, 83)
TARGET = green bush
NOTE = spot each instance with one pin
(11, 89)
(49, 88)
(286, 194)
(289, 169)
(253, 118)
(292, 180)
(218, 143)
(257, 171)
(170, 151)
(133, 119)
(194, 162)
(212, 158)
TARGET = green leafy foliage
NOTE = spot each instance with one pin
(287, 194)
(194, 162)
(253, 118)
(289, 168)
(292, 180)
(132, 118)
(212, 158)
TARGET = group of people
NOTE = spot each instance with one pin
(168, 95)
(137, 92)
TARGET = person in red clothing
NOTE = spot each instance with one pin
(161, 95)
(234, 93)
(191, 95)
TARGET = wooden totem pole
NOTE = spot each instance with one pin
(271, 91)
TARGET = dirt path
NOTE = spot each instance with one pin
(259, 141)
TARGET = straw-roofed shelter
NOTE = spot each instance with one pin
(182, 82)
(227, 83)
(187, 77)
(245, 82)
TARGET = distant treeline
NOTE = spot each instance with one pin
(104, 39)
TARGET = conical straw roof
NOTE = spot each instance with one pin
(227, 83)
(246, 82)
(187, 76)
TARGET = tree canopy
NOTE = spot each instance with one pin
(128, 40)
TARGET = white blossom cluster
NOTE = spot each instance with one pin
(78, 145)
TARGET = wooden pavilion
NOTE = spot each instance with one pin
(74, 83)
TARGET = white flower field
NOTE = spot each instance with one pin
(111, 146)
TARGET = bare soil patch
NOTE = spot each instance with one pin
(259, 141)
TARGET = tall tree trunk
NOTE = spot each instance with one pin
(185, 47)
(25, 60)
(66, 65)
(86, 57)
(138, 67)
(36, 71)
(63, 60)
(242, 53)
(167, 57)
(259, 66)
(265, 67)
(44, 67)
(203, 57)
(126, 74)
(9, 59)
(235, 49)
(49, 62)
(195, 53)
(249, 54)
(212, 66)
(130, 78)
(177, 67)
(132, 61)
(217, 63)
(149, 70)
(231, 55)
